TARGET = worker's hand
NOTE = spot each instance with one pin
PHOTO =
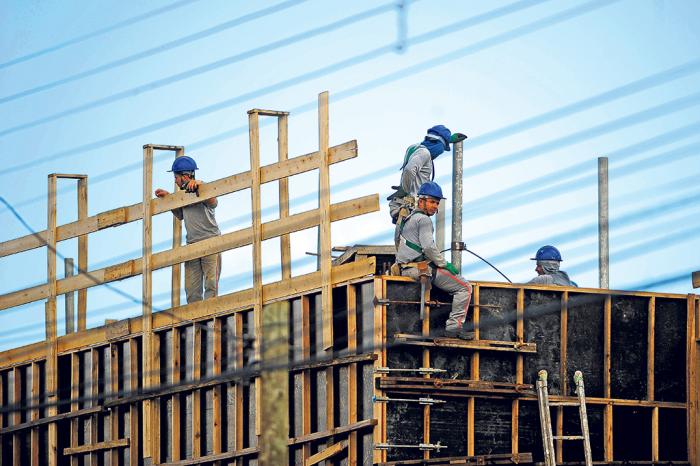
(161, 192)
(193, 186)
(451, 268)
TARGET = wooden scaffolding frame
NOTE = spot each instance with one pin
(138, 336)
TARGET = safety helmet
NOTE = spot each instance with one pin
(547, 253)
(442, 133)
(183, 164)
(432, 189)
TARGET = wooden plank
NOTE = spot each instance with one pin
(176, 272)
(114, 390)
(519, 363)
(326, 453)
(34, 414)
(47, 420)
(425, 327)
(146, 298)
(175, 439)
(109, 445)
(316, 436)
(474, 373)
(236, 302)
(275, 385)
(351, 305)
(75, 404)
(16, 415)
(563, 338)
(239, 390)
(608, 413)
(324, 227)
(82, 251)
(51, 350)
(651, 324)
(283, 154)
(134, 407)
(306, 374)
(254, 138)
(217, 422)
(208, 246)
(482, 345)
(379, 339)
(230, 184)
(655, 434)
(95, 419)
(691, 380)
(196, 394)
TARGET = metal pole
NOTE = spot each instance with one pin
(70, 300)
(457, 169)
(440, 227)
(603, 245)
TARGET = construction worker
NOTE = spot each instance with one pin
(415, 244)
(418, 168)
(200, 224)
(548, 259)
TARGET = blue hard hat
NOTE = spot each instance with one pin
(444, 133)
(432, 189)
(183, 164)
(547, 253)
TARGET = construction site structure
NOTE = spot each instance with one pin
(337, 366)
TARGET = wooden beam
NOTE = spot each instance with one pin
(175, 440)
(283, 154)
(146, 298)
(651, 324)
(109, 445)
(474, 372)
(655, 435)
(230, 184)
(275, 385)
(34, 414)
(425, 327)
(563, 381)
(608, 413)
(326, 453)
(176, 272)
(82, 251)
(75, 404)
(306, 374)
(97, 418)
(134, 408)
(236, 302)
(324, 227)
(114, 390)
(51, 350)
(519, 364)
(196, 394)
(217, 421)
(239, 364)
(379, 341)
(691, 380)
(208, 246)
(351, 305)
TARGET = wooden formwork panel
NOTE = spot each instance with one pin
(633, 349)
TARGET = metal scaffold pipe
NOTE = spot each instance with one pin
(603, 223)
(457, 170)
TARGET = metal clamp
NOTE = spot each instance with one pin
(427, 401)
(421, 370)
(420, 446)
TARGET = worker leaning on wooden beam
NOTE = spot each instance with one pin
(548, 260)
(200, 224)
(417, 168)
(415, 244)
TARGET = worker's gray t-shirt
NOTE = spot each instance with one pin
(200, 222)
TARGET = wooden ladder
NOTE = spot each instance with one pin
(546, 420)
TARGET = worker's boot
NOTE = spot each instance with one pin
(461, 334)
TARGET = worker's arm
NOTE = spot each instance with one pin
(176, 212)
(418, 160)
(427, 242)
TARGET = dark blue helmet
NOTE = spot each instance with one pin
(183, 164)
(432, 189)
(547, 253)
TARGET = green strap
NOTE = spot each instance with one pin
(410, 244)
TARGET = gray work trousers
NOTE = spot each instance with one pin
(202, 273)
(455, 285)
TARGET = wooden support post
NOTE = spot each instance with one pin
(379, 409)
(655, 434)
(563, 380)
(283, 154)
(254, 136)
(95, 419)
(351, 305)
(324, 226)
(75, 405)
(196, 394)
(691, 381)
(82, 251)
(17, 416)
(216, 392)
(51, 351)
(114, 390)
(426, 363)
(34, 414)
(306, 375)
(474, 375)
(239, 391)
(175, 440)
(275, 360)
(134, 407)
(149, 430)
(177, 242)
(69, 298)
(519, 364)
(651, 324)
(608, 414)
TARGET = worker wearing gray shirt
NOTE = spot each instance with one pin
(548, 259)
(200, 224)
(415, 243)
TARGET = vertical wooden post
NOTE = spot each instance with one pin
(196, 394)
(564, 383)
(69, 297)
(608, 414)
(114, 390)
(474, 375)
(306, 375)
(275, 359)
(520, 337)
(283, 154)
(426, 363)
(17, 417)
(149, 430)
(75, 405)
(34, 414)
(651, 324)
(134, 407)
(95, 419)
(324, 226)
(379, 409)
(82, 251)
(691, 380)
(239, 364)
(176, 406)
(51, 350)
(216, 392)
(351, 305)
(177, 242)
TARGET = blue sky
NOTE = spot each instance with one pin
(542, 88)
